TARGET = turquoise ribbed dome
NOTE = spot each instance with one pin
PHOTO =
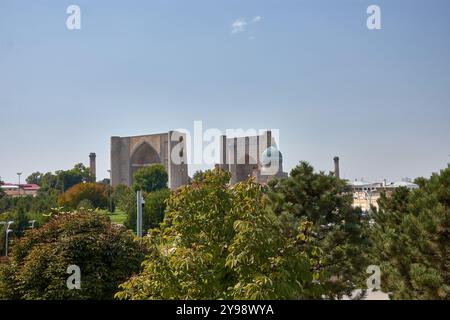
(270, 155)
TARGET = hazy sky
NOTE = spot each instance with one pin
(379, 99)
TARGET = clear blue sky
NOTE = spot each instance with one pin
(378, 99)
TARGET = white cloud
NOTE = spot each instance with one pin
(257, 19)
(238, 26)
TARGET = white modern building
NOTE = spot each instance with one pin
(366, 194)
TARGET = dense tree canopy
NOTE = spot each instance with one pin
(93, 192)
(221, 242)
(20, 219)
(411, 240)
(49, 181)
(35, 178)
(61, 179)
(22, 210)
(42, 203)
(338, 231)
(106, 254)
(296, 238)
(66, 179)
(150, 178)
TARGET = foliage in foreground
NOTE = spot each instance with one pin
(106, 254)
(339, 232)
(225, 242)
(411, 240)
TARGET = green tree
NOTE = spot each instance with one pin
(155, 206)
(35, 178)
(411, 240)
(44, 202)
(66, 179)
(18, 210)
(220, 242)
(421, 182)
(21, 221)
(106, 254)
(5, 203)
(93, 192)
(338, 231)
(150, 178)
(123, 197)
(198, 175)
(48, 181)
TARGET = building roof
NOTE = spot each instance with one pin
(9, 186)
(406, 184)
(31, 186)
(366, 184)
(363, 184)
(26, 186)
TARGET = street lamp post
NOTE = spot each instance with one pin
(8, 231)
(7, 240)
(140, 204)
(110, 191)
(19, 174)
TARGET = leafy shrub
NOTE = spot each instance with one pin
(106, 254)
(123, 197)
(93, 192)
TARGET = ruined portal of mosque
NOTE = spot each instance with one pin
(128, 154)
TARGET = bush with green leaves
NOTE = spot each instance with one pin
(85, 204)
(106, 254)
(20, 216)
(95, 193)
(123, 197)
(42, 203)
(411, 239)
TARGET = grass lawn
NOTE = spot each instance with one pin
(118, 217)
